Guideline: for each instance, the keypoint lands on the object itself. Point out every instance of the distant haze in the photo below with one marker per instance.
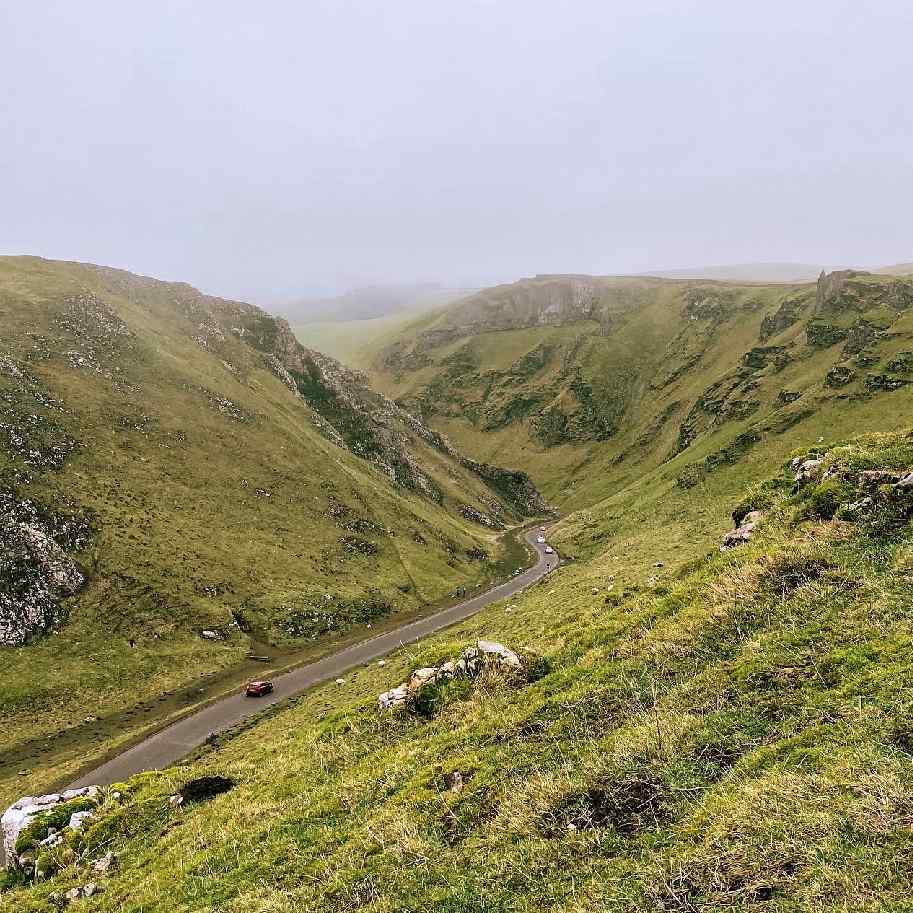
(367, 303)
(285, 150)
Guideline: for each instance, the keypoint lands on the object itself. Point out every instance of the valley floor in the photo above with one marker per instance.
(34, 761)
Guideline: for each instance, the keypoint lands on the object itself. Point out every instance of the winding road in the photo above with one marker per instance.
(177, 740)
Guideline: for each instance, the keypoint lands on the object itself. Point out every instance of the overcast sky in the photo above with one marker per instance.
(262, 149)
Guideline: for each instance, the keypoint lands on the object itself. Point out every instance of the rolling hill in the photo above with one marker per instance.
(585, 382)
(688, 730)
(185, 486)
(708, 707)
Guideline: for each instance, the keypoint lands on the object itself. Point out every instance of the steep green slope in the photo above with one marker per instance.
(723, 731)
(173, 464)
(586, 382)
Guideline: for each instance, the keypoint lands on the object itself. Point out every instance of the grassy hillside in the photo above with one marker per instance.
(173, 464)
(897, 269)
(586, 382)
(357, 343)
(692, 731)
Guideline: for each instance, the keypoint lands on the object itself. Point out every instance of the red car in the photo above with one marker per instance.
(258, 689)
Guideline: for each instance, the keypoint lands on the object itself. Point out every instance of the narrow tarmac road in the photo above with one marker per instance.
(177, 740)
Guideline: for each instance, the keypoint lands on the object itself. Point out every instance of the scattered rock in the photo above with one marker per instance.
(420, 678)
(24, 811)
(872, 478)
(78, 893)
(839, 376)
(741, 533)
(473, 660)
(454, 782)
(852, 511)
(861, 335)
(105, 863)
(36, 568)
(758, 357)
(805, 471)
(78, 819)
(488, 653)
(884, 382)
(395, 697)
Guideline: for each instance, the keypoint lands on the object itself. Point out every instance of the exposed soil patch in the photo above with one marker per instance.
(628, 807)
(789, 575)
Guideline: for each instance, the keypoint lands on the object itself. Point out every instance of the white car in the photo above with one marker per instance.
(540, 538)
(549, 550)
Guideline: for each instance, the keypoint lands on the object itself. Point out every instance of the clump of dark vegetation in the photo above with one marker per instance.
(431, 699)
(789, 312)
(788, 573)
(822, 501)
(733, 451)
(354, 545)
(902, 363)
(691, 475)
(202, 788)
(821, 335)
(536, 666)
(332, 615)
(628, 806)
(760, 496)
(695, 473)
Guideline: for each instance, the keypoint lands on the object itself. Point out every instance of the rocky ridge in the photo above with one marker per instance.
(737, 363)
(369, 424)
(77, 328)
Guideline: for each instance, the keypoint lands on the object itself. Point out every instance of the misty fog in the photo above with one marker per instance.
(279, 150)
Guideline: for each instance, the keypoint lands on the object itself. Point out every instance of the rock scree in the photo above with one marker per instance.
(472, 662)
